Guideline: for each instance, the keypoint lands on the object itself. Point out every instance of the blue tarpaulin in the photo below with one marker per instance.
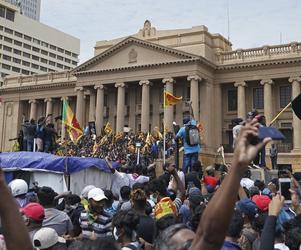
(49, 162)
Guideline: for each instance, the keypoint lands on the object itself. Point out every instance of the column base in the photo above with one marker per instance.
(296, 151)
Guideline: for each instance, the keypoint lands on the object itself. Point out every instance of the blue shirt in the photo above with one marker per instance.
(187, 148)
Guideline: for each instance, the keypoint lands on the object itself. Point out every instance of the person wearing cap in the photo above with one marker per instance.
(210, 180)
(19, 189)
(47, 238)
(33, 215)
(95, 222)
(191, 153)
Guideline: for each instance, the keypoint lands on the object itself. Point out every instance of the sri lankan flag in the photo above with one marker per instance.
(69, 120)
(108, 129)
(170, 99)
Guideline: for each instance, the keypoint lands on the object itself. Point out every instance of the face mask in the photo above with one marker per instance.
(154, 198)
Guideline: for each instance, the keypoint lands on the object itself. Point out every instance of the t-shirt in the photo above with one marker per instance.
(58, 220)
(101, 225)
(146, 228)
(194, 178)
(246, 183)
(187, 148)
(228, 245)
(210, 180)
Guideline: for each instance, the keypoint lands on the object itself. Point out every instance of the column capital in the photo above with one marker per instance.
(79, 89)
(144, 82)
(99, 86)
(168, 80)
(194, 77)
(237, 84)
(32, 101)
(64, 98)
(266, 81)
(294, 79)
(119, 85)
(48, 99)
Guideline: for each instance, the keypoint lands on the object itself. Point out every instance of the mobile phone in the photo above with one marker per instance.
(274, 133)
(284, 186)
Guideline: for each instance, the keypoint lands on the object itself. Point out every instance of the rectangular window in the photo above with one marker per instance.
(52, 55)
(60, 50)
(28, 38)
(258, 98)
(9, 31)
(25, 72)
(6, 57)
(27, 46)
(44, 44)
(25, 63)
(67, 60)
(2, 11)
(74, 55)
(43, 60)
(16, 60)
(26, 54)
(7, 39)
(5, 66)
(35, 66)
(36, 41)
(60, 57)
(44, 52)
(285, 95)
(43, 68)
(52, 47)
(17, 52)
(59, 65)
(18, 43)
(18, 34)
(6, 48)
(51, 63)
(232, 100)
(36, 49)
(66, 67)
(10, 15)
(67, 52)
(15, 69)
(74, 62)
(35, 57)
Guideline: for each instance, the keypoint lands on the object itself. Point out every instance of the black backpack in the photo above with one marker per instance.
(192, 135)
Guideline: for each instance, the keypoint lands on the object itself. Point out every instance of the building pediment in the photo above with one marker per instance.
(133, 52)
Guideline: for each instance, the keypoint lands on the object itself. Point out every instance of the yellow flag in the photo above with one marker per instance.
(108, 129)
(170, 99)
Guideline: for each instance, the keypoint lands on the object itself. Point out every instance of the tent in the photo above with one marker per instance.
(52, 170)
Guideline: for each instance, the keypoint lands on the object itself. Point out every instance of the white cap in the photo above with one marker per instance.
(18, 187)
(86, 190)
(46, 237)
(96, 194)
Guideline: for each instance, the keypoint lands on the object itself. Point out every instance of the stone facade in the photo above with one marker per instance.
(123, 84)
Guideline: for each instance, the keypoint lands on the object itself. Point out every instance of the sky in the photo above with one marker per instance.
(253, 23)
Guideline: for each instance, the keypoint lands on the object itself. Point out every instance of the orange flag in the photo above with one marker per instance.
(170, 99)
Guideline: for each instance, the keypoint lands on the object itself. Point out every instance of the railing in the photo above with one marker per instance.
(228, 148)
(284, 147)
(275, 51)
(20, 80)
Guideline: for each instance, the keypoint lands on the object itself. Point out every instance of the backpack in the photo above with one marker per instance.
(192, 135)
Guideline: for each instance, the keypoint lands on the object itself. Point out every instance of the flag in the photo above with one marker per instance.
(296, 105)
(170, 100)
(108, 129)
(149, 139)
(68, 118)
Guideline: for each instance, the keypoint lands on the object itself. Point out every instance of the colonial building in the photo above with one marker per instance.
(123, 84)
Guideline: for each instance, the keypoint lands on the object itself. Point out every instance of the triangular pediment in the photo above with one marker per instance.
(133, 52)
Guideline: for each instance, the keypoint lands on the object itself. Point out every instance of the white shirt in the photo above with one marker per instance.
(246, 183)
(281, 246)
(182, 179)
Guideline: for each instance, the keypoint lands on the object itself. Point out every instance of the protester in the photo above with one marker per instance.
(47, 238)
(19, 189)
(273, 155)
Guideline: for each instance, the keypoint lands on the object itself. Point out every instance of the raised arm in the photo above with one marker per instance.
(216, 218)
(180, 187)
(14, 230)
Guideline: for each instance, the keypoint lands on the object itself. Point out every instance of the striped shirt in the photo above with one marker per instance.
(101, 225)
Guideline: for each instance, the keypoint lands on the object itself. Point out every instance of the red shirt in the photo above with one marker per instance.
(210, 180)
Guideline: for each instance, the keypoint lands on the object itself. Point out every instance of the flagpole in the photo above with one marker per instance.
(164, 135)
(63, 132)
(276, 117)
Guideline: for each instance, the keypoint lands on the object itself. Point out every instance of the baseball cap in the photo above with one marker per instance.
(262, 201)
(86, 190)
(186, 120)
(165, 207)
(247, 207)
(96, 194)
(33, 211)
(45, 238)
(195, 195)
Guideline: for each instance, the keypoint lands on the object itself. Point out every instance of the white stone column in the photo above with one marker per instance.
(268, 101)
(120, 106)
(241, 99)
(33, 109)
(99, 108)
(168, 111)
(145, 110)
(296, 121)
(92, 106)
(194, 94)
(49, 108)
(80, 106)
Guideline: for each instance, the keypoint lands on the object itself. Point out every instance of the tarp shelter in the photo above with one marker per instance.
(49, 170)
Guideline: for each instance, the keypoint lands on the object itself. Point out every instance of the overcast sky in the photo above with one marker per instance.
(252, 22)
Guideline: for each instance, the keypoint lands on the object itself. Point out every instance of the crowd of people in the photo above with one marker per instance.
(187, 207)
